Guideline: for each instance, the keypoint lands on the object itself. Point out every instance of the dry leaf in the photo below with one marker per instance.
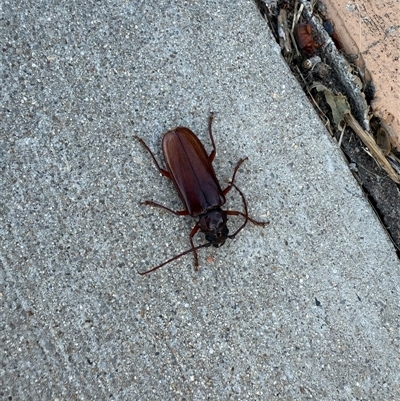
(342, 113)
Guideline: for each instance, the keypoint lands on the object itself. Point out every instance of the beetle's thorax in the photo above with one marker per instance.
(213, 224)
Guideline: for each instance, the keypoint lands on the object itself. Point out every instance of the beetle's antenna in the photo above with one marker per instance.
(246, 213)
(176, 257)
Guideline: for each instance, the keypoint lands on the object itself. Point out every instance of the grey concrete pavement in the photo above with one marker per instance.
(305, 308)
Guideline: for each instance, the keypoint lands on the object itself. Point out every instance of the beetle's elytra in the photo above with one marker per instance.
(190, 169)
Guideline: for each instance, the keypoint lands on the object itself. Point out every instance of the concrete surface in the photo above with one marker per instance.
(305, 308)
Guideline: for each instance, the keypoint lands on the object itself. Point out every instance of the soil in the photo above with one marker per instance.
(382, 192)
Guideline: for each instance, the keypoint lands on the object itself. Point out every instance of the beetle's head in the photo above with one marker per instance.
(213, 224)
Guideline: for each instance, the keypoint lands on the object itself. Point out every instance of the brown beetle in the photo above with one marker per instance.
(190, 169)
(304, 38)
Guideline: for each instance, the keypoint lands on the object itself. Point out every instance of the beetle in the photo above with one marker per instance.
(304, 38)
(190, 169)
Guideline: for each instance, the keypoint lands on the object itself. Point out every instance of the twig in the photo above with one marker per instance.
(341, 136)
(283, 33)
(370, 143)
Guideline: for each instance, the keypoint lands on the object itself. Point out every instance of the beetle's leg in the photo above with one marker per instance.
(196, 258)
(231, 183)
(165, 173)
(214, 151)
(237, 213)
(245, 215)
(234, 212)
(177, 213)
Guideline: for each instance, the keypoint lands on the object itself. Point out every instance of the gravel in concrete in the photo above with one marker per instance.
(307, 308)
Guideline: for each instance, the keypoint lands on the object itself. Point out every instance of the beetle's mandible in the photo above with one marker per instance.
(190, 169)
